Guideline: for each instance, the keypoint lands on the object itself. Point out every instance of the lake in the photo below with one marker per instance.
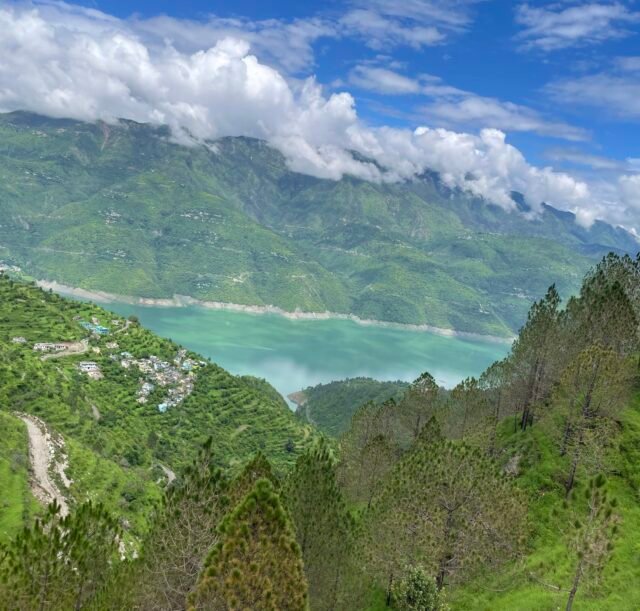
(294, 354)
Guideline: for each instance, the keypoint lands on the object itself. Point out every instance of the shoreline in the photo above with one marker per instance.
(183, 301)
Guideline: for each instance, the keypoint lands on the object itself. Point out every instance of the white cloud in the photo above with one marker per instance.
(382, 80)
(558, 26)
(628, 64)
(85, 65)
(384, 24)
(453, 107)
(595, 162)
(615, 94)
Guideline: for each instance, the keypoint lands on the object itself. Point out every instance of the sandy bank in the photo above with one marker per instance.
(181, 301)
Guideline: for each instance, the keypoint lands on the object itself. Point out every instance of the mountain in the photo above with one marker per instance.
(330, 406)
(123, 209)
(117, 411)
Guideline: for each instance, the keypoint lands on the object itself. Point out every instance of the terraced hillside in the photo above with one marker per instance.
(123, 414)
(120, 208)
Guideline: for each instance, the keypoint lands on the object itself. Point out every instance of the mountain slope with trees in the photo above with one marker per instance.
(119, 449)
(515, 490)
(122, 209)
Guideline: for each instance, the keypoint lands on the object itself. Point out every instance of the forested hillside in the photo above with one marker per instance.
(517, 490)
(120, 410)
(331, 406)
(120, 208)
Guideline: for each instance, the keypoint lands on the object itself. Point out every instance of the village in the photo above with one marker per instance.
(177, 377)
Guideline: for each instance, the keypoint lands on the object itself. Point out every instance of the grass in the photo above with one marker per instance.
(547, 564)
(17, 504)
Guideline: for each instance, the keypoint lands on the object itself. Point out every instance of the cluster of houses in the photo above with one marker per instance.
(47, 346)
(94, 327)
(91, 368)
(177, 376)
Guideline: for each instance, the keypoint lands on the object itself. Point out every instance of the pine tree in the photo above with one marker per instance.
(591, 539)
(256, 469)
(468, 412)
(591, 392)
(324, 528)
(496, 382)
(257, 564)
(186, 528)
(445, 507)
(368, 450)
(421, 401)
(533, 355)
(59, 562)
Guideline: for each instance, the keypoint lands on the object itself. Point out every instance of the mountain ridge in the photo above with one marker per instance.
(121, 209)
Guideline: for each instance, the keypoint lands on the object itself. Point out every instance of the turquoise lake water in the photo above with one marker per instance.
(294, 354)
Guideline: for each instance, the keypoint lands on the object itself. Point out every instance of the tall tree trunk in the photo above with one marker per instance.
(565, 438)
(389, 586)
(574, 467)
(574, 587)
(446, 555)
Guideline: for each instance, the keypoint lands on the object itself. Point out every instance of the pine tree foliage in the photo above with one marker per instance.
(257, 563)
(185, 530)
(59, 563)
(417, 592)
(592, 391)
(533, 355)
(256, 469)
(421, 401)
(445, 507)
(591, 539)
(324, 528)
(368, 450)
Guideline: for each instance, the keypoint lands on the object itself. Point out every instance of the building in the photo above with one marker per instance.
(19, 340)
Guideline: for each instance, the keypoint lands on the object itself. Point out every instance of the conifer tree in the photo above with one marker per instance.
(420, 402)
(256, 469)
(533, 354)
(59, 563)
(591, 392)
(445, 507)
(186, 528)
(468, 413)
(592, 536)
(322, 524)
(368, 450)
(495, 382)
(257, 563)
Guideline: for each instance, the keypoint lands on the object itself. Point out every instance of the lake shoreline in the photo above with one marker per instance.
(182, 301)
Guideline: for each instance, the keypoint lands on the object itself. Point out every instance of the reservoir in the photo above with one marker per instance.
(294, 354)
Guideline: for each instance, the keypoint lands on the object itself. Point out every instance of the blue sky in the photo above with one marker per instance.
(488, 55)
(560, 79)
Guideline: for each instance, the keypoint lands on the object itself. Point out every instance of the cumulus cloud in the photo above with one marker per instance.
(87, 65)
(558, 26)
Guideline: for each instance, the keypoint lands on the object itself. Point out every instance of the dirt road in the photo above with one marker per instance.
(42, 454)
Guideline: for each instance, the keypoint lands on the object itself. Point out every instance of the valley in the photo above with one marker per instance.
(294, 354)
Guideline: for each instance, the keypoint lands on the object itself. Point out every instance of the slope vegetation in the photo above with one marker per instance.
(120, 208)
(123, 416)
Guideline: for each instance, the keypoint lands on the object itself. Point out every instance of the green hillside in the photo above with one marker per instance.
(121, 208)
(515, 490)
(331, 406)
(120, 450)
